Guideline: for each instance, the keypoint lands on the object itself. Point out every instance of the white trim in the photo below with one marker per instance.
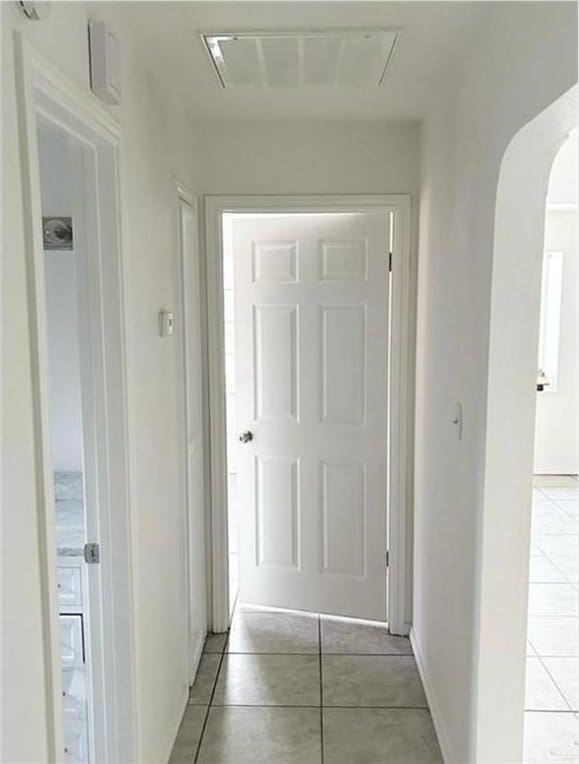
(43, 90)
(186, 363)
(441, 733)
(561, 206)
(174, 730)
(402, 385)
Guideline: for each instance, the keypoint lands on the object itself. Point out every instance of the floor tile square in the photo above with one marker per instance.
(550, 738)
(571, 507)
(547, 517)
(541, 692)
(553, 599)
(554, 635)
(189, 735)
(560, 492)
(379, 736)
(563, 551)
(341, 637)
(205, 679)
(542, 571)
(269, 680)
(371, 680)
(565, 672)
(237, 735)
(264, 632)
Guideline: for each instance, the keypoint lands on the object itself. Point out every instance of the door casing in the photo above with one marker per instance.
(44, 92)
(191, 357)
(401, 388)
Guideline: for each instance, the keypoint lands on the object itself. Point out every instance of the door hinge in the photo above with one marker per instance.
(390, 262)
(387, 559)
(92, 554)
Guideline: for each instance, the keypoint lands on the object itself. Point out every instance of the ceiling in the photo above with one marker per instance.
(424, 64)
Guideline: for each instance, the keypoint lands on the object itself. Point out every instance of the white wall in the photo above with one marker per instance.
(517, 66)
(315, 158)
(62, 309)
(563, 180)
(557, 415)
(155, 147)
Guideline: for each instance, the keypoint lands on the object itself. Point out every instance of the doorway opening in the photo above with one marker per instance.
(73, 465)
(552, 670)
(71, 217)
(505, 531)
(300, 381)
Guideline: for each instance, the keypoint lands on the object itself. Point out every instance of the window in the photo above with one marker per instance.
(550, 327)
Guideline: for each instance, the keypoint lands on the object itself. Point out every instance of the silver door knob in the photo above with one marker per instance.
(246, 436)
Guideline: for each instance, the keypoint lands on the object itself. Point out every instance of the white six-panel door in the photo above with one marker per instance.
(311, 322)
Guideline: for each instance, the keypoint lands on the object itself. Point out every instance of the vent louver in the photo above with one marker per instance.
(301, 59)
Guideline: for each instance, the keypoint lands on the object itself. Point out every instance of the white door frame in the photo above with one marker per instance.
(43, 91)
(187, 272)
(401, 385)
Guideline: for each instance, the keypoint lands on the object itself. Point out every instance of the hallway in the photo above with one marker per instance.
(297, 688)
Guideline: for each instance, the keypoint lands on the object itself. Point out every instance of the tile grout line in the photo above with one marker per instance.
(209, 705)
(552, 678)
(321, 689)
(557, 568)
(359, 707)
(569, 514)
(338, 655)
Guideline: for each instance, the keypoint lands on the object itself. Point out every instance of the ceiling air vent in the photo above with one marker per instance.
(301, 59)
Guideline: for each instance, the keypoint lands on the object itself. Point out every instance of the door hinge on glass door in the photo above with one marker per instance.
(390, 262)
(387, 559)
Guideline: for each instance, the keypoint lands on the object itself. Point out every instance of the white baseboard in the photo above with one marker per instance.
(439, 727)
(197, 653)
(183, 705)
(175, 729)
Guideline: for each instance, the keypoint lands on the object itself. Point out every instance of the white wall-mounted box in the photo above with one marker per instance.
(105, 63)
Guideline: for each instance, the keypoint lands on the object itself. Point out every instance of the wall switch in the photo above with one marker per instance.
(166, 323)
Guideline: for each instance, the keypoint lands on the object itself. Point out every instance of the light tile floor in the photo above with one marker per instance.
(289, 688)
(551, 704)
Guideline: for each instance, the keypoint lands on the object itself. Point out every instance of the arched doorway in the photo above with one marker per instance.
(514, 333)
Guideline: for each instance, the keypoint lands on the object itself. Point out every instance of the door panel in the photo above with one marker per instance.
(275, 379)
(344, 519)
(311, 323)
(276, 495)
(343, 350)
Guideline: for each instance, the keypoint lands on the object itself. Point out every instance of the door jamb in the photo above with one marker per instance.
(183, 194)
(401, 387)
(42, 89)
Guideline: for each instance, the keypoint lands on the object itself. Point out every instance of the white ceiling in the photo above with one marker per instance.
(425, 61)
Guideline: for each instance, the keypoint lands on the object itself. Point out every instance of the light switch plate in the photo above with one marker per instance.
(166, 323)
